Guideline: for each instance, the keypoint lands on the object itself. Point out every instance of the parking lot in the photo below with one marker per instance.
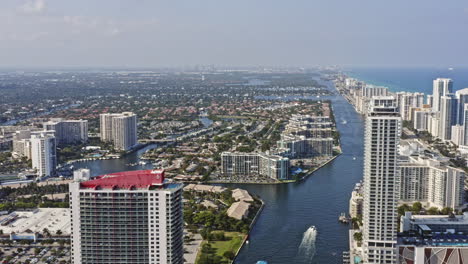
(35, 254)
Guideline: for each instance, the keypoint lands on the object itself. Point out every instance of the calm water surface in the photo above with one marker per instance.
(281, 232)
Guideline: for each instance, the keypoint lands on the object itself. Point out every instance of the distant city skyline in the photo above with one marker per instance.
(124, 33)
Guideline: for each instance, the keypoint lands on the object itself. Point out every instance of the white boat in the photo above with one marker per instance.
(354, 158)
(343, 219)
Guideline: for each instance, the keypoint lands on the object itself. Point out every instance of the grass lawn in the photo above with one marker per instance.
(230, 245)
(222, 246)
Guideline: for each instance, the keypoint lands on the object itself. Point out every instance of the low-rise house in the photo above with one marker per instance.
(241, 195)
(239, 210)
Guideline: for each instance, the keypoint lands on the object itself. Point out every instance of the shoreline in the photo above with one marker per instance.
(246, 236)
(318, 168)
(251, 226)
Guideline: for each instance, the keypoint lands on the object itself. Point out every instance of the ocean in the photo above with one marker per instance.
(410, 79)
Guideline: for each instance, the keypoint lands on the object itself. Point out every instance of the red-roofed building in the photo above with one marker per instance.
(141, 179)
(133, 216)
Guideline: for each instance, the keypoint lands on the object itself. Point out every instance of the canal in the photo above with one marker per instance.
(282, 233)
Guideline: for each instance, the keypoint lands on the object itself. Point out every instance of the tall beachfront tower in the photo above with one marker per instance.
(441, 87)
(462, 99)
(381, 182)
(448, 108)
(127, 217)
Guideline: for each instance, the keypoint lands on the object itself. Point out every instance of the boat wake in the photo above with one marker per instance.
(307, 247)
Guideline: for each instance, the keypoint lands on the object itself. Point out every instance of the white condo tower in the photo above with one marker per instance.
(381, 187)
(441, 87)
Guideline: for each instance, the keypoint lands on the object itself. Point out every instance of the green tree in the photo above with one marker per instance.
(219, 236)
(229, 255)
(358, 236)
(205, 233)
(446, 211)
(417, 206)
(403, 208)
(433, 211)
(46, 232)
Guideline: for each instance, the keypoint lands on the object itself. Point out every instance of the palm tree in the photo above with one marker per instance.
(46, 232)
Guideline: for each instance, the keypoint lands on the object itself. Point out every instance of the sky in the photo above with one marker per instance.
(172, 33)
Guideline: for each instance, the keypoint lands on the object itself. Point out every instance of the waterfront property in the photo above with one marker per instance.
(253, 164)
(120, 129)
(303, 147)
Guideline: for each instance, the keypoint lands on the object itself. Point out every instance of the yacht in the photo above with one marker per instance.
(343, 219)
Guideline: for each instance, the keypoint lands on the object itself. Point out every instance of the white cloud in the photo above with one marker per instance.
(33, 7)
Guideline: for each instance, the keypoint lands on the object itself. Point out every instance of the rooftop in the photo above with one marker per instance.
(204, 188)
(439, 219)
(126, 180)
(241, 195)
(238, 210)
(53, 219)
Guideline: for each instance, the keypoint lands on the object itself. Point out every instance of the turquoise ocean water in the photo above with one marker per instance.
(410, 79)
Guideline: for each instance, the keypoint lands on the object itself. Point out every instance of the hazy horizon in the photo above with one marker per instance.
(158, 34)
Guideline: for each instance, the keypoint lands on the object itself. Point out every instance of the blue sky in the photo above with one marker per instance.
(153, 33)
